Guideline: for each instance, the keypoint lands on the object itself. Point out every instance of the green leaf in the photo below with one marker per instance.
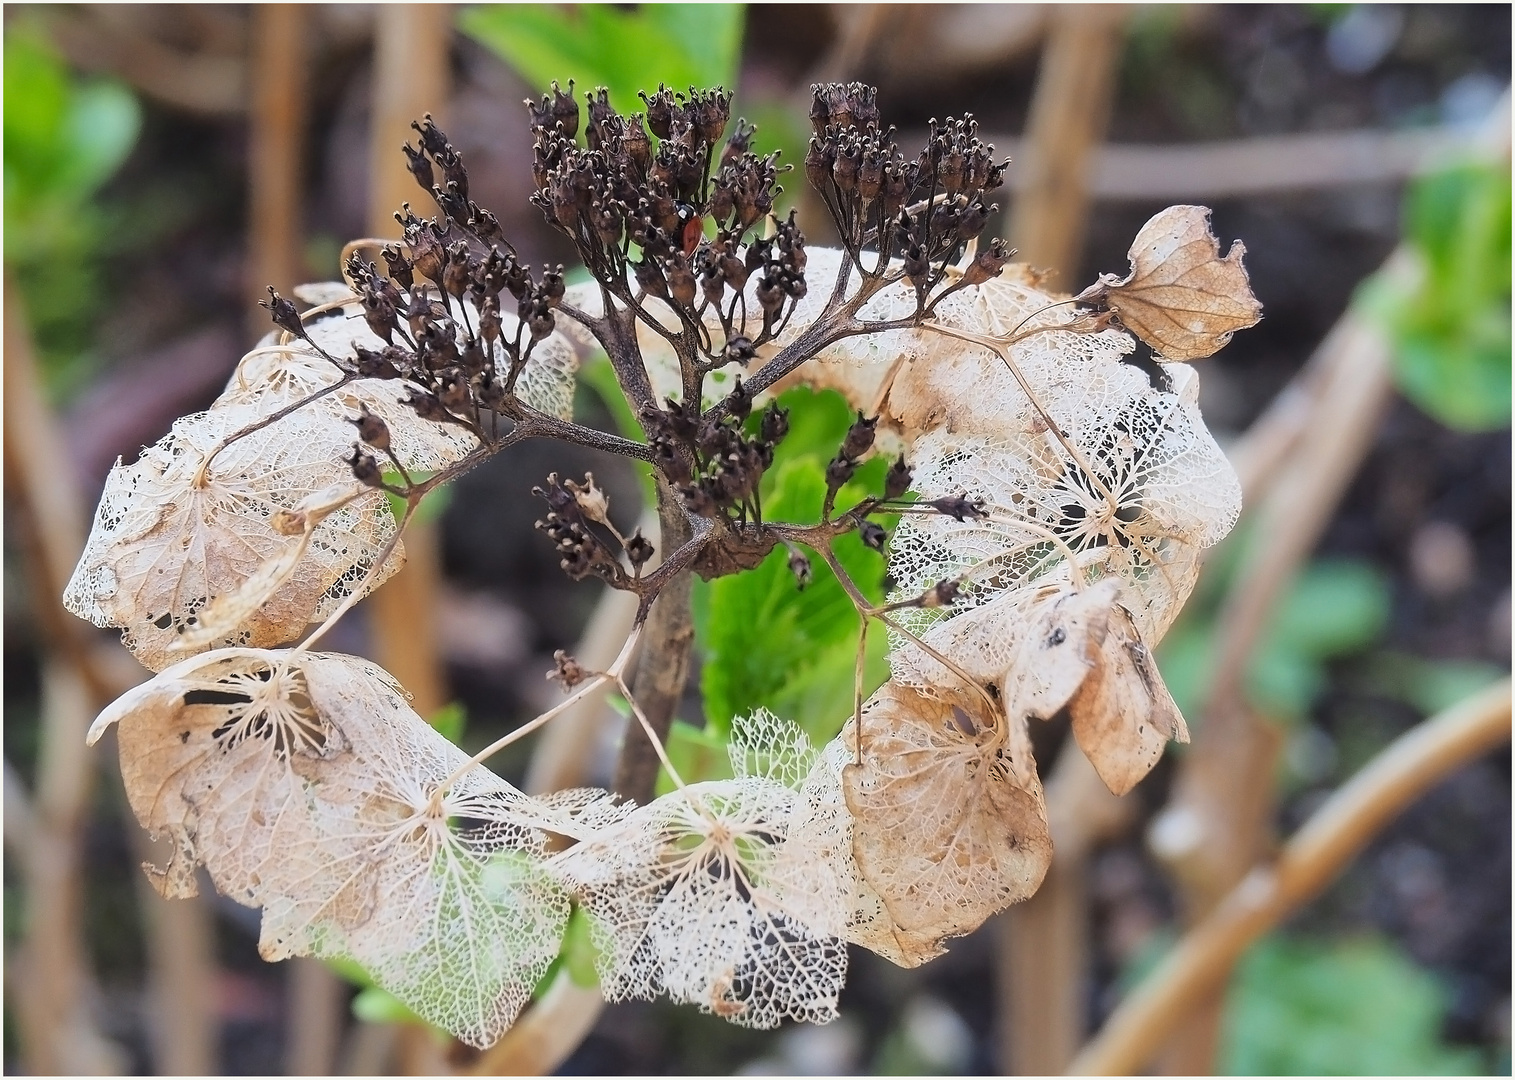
(579, 955)
(430, 508)
(1299, 1008)
(378, 1006)
(681, 45)
(697, 753)
(1430, 685)
(764, 641)
(1450, 327)
(1334, 607)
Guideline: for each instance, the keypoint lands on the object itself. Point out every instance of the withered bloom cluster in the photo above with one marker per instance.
(923, 211)
(1051, 521)
(636, 206)
(459, 314)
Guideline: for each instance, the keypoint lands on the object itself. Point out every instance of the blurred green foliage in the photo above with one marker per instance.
(1451, 327)
(1347, 1008)
(64, 138)
(624, 51)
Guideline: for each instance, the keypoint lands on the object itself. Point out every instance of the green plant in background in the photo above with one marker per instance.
(1356, 1008)
(680, 45)
(601, 45)
(1451, 327)
(64, 138)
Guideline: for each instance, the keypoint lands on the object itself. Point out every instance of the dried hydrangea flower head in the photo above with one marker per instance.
(1052, 497)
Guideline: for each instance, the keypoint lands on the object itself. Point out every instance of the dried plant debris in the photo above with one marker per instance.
(949, 824)
(196, 516)
(307, 787)
(1180, 297)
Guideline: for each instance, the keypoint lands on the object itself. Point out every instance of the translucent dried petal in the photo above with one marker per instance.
(172, 531)
(1122, 713)
(228, 612)
(681, 901)
(1135, 487)
(949, 824)
(1181, 297)
(306, 786)
(821, 827)
(766, 746)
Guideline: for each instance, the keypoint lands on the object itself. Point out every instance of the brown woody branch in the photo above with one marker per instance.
(1309, 862)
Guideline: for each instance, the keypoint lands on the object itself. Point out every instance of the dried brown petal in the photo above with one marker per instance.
(1181, 297)
(1122, 714)
(308, 788)
(949, 824)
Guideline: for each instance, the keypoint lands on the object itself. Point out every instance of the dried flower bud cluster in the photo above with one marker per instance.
(636, 207)
(578, 522)
(922, 211)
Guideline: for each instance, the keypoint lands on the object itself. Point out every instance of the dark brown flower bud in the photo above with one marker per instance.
(453, 392)
(372, 430)
(566, 669)
(988, 263)
(365, 467)
(775, 423)
(859, 437)
(739, 143)
(872, 535)
(433, 138)
(799, 566)
(681, 283)
(739, 350)
(426, 405)
(284, 313)
(553, 287)
(638, 549)
(564, 109)
(839, 471)
(942, 594)
(375, 365)
(400, 268)
(739, 402)
(897, 480)
(636, 145)
(419, 166)
(660, 109)
(960, 507)
(917, 266)
(819, 160)
(710, 112)
(699, 500)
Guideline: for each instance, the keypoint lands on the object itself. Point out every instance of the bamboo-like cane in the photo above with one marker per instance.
(1311, 859)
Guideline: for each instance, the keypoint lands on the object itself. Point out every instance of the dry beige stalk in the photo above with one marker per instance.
(1180, 297)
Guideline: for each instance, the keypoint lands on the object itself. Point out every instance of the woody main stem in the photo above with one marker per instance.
(663, 667)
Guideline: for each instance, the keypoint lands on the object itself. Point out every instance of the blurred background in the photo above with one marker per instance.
(163, 164)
